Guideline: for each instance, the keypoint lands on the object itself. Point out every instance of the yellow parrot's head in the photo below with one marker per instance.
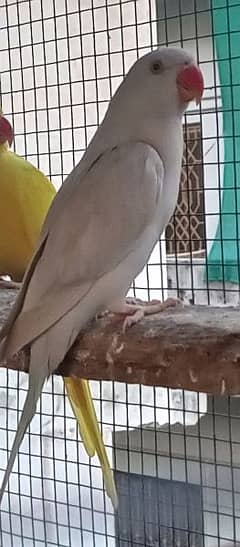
(6, 131)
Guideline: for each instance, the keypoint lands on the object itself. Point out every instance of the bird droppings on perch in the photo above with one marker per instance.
(83, 356)
(189, 348)
(223, 386)
(113, 348)
(120, 348)
(109, 358)
(193, 376)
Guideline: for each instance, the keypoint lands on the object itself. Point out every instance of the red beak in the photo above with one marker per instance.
(6, 131)
(190, 84)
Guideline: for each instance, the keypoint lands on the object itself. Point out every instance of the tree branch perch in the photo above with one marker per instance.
(195, 348)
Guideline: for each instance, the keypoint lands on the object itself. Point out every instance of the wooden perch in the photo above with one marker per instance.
(195, 348)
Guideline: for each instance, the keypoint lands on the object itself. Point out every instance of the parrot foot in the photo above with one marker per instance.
(5, 284)
(135, 311)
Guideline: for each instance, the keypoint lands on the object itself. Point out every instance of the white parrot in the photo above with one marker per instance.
(104, 221)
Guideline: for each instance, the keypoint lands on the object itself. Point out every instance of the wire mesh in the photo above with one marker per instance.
(175, 453)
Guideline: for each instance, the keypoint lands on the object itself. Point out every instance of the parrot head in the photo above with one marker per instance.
(180, 75)
(6, 131)
(166, 79)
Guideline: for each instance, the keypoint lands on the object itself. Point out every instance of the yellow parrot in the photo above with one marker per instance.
(25, 197)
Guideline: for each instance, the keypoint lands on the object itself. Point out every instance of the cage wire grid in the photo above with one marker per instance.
(175, 453)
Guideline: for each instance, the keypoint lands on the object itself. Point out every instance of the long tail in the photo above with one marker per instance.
(80, 397)
(37, 376)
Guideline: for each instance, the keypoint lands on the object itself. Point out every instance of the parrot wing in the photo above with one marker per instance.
(109, 211)
(26, 195)
(35, 194)
(32, 193)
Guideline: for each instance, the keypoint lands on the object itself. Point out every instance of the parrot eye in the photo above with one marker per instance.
(157, 67)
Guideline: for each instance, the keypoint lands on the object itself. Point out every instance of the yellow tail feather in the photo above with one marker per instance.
(80, 397)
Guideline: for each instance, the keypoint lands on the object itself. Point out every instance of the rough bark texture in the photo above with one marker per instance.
(195, 348)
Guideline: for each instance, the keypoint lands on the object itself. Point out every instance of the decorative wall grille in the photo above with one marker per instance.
(185, 232)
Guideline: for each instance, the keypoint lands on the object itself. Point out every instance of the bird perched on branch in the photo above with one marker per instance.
(105, 220)
(25, 197)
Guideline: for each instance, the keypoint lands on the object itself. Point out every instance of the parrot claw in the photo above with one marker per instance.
(133, 319)
(136, 309)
